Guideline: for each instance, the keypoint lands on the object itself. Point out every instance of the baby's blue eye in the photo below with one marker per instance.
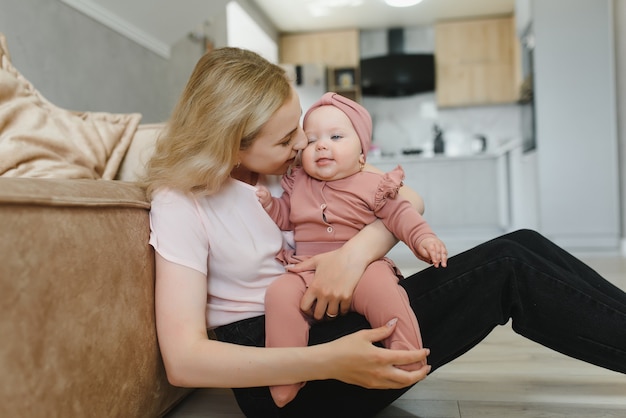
(335, 137)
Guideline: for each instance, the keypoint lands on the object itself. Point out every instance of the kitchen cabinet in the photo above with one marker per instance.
(345, 81)
(466, 197)
(332, 48)
(477, 62)
(337, 50)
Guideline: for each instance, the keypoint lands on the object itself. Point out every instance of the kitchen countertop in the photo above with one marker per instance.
(428, 156)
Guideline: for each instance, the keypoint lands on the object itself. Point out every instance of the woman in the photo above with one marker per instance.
(236, 123)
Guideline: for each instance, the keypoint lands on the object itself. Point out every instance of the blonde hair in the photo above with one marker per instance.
(230, 95)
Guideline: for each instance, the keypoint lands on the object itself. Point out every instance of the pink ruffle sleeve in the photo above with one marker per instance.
(289, 179)
(388, 187)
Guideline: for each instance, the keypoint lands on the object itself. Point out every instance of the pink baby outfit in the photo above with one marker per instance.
(324, 215)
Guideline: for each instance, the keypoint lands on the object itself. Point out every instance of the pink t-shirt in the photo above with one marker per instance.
(229, 238)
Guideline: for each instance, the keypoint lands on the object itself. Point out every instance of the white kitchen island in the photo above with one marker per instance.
(467, 198)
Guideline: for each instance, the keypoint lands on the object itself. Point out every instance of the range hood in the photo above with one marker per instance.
(397, 73)
(395, 41)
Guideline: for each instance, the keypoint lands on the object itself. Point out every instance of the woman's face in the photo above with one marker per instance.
(278, 143)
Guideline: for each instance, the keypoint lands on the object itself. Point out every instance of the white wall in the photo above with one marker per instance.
(575, 84)
(244, 32)
(620, 54)
(78, 63)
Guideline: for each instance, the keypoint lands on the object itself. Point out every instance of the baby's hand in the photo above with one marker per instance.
(434, 249)
(265, 197)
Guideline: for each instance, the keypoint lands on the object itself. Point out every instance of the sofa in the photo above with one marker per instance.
(77, 320)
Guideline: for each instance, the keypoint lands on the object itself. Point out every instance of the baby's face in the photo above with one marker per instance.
(334, 149)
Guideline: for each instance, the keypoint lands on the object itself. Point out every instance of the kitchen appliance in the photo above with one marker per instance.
(397, 73)
(527, 96)
(438, 144)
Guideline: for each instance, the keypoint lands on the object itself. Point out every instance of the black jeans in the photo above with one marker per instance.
(551, 297)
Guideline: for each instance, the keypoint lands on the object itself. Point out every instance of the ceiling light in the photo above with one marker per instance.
(402, 3)
(318, 8)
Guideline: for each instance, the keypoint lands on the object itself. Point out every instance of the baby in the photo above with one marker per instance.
(325, 202)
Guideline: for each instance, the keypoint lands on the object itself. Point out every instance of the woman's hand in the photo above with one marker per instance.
(359, 362)
(336, 277)
(338, 272)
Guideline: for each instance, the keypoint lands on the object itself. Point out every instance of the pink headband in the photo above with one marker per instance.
(360, 118)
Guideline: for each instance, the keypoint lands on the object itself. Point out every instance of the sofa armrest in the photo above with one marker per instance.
(77, 301)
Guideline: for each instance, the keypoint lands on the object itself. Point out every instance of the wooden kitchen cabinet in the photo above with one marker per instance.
(332, 48)
(477, 62)
(345, 81)
(337, 50)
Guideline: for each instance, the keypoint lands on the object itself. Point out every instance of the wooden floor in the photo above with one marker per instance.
(505, 376)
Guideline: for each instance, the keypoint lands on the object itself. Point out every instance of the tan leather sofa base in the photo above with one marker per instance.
(77, 302)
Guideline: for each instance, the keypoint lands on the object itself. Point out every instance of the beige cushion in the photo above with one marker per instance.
(39, 139)
(133, 165)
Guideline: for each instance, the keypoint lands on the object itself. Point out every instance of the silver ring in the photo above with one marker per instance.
(331, 316)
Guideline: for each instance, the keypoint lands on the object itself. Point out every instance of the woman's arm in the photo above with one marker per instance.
(193, 360)
(338, 272)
